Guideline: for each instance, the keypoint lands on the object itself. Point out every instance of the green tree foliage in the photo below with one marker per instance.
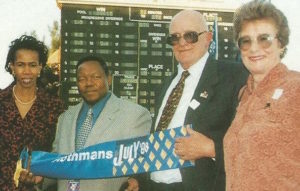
(55, 37)
(50, 79)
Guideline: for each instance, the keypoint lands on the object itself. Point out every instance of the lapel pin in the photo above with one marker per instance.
(204, 94)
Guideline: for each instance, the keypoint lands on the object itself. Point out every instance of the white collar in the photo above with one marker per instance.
(197, 68)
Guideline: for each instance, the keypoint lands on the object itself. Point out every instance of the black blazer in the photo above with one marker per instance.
(222, 81)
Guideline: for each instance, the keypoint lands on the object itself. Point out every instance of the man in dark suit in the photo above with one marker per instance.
(207, 102)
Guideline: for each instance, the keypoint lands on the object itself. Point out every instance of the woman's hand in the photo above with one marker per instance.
(28, 178)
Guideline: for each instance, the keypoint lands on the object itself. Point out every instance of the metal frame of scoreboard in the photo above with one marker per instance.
(131, 38)
(217, 5)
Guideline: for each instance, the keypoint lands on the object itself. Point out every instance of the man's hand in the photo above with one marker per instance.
(133, 185)
(194, 146)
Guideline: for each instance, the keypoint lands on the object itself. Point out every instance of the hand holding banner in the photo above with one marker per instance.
(111, 159)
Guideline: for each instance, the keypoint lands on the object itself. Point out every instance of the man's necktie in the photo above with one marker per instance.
(172, 103)
(84, 130)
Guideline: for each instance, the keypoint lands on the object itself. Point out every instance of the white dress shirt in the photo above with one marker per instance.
(173, 175)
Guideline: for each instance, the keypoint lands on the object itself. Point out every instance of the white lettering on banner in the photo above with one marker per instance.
(128, 152)
(94, 155)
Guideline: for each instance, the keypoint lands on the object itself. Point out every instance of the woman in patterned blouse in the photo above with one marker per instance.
(28, 114)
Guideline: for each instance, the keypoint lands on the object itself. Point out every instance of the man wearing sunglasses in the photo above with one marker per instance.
(207, 102)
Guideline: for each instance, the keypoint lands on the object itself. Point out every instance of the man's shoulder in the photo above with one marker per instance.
(129, 105)
(72, 108)
(231, 70)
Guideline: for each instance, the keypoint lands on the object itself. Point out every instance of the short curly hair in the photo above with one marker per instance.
(28, 43)
(98, 59)
(261, 9)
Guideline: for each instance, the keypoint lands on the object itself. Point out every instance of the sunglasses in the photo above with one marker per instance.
(189, 37)
(263, 40)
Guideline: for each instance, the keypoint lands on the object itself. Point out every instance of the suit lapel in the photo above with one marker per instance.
(73, 124)
(205, 89)
(105, 121)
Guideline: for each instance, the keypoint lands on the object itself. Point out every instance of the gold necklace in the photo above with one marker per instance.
(21, 102)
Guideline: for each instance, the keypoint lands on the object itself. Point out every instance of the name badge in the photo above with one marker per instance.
(73, 185)
(277, 93)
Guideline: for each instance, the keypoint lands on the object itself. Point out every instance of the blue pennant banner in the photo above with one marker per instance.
(214, 47)
(150, 153)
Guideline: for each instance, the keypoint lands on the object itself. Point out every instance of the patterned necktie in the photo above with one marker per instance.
(84, 130)
(172, 103)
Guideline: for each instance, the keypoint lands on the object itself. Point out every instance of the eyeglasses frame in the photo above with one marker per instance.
(182, 36)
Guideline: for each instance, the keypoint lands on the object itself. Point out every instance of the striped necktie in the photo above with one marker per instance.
(172, 103)
(84, 130)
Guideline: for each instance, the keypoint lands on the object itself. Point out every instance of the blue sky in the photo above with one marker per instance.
(20, 16)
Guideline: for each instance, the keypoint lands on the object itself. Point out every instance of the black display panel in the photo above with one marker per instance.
(132, 41)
